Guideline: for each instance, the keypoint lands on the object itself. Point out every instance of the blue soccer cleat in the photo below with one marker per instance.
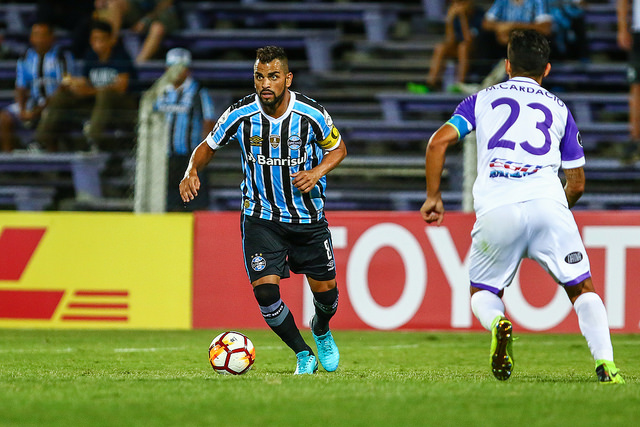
(306, 363)
(327, 350)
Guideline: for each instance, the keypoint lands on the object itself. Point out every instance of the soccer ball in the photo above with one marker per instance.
(231, 353)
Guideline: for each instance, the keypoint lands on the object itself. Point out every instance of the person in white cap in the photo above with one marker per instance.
(189, 111)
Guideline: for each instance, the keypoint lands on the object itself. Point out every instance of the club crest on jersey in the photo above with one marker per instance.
(258, 263)
(294, 142)
(274, 140)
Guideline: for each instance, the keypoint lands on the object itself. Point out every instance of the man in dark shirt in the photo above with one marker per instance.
(101, 93)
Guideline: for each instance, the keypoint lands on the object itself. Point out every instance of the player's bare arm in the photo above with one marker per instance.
(432, 209)
(623, 35)
(574, 187)
(305, 181)
(190, 184)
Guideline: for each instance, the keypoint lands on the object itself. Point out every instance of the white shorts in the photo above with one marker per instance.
(541, 229)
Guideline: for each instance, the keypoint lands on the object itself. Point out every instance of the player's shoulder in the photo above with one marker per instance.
(30, 53)
(244, 106)
(240, 109)
(308, 104)
(244, 102)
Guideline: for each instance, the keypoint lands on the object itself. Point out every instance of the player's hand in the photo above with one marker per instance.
(189, 187)
(305, 181)
(432, 210)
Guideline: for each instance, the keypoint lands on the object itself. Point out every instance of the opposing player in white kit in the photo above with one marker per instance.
(524, 134)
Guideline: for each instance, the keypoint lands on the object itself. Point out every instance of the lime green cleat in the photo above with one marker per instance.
(608, 373)
(501, 348)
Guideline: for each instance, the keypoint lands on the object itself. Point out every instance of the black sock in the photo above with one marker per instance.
(326, 304)
(278, 317)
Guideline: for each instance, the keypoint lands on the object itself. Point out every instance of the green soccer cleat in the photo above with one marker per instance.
(327, 349)
(306, 363)
(501, 348)
(608, 373)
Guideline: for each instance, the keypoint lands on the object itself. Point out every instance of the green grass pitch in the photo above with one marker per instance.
(163, 378)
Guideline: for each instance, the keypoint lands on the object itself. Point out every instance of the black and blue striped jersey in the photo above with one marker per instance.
(41, 75)
(185, 108)
(272, 149)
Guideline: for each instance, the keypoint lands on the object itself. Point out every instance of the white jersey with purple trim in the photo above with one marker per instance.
(524, 134)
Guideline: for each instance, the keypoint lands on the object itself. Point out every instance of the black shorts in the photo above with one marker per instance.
(633, 72)
(272, 247)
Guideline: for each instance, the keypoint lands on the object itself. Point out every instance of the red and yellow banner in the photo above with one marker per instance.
(395, 272)
(177, 271)
(95, 270)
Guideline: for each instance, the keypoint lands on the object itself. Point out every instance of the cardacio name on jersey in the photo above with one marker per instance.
(263, 160)
(526, 89)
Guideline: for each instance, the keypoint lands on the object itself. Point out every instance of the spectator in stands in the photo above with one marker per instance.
(569, 39)
(462, 24)
(100, 93)
(70, 15)
(39, 73)
(629, 39)
(188, 110)
(503, 17)
(155, 18)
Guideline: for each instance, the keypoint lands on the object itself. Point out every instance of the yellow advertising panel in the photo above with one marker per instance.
(96, 270)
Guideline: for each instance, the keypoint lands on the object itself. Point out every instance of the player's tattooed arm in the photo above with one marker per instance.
(574, 186)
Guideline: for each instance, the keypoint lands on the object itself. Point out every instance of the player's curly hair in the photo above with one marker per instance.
(267, 54)
(528, 52)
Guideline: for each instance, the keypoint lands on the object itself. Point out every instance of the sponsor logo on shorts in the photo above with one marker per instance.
(331, 265)
(258, 263)
(573, 258)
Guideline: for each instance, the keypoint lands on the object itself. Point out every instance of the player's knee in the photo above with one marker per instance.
(267, 294)
(574, 291)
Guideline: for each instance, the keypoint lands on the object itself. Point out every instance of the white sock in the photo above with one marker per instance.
(594, 325)
(486, 306)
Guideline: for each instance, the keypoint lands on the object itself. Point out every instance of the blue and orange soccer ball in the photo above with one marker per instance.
(231, 353)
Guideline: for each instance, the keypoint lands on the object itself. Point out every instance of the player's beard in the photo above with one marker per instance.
(274, 102)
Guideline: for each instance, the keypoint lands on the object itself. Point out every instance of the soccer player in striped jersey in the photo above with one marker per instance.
(38, 74)
(524, 134)
(288, 144)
